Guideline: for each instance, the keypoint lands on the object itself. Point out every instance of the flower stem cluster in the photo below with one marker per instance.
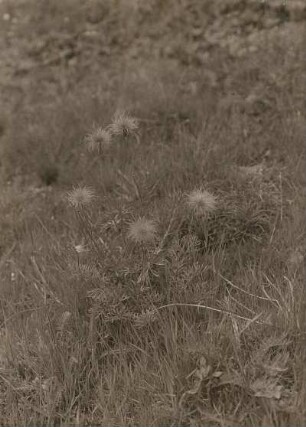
(123, 126)
(142, 231)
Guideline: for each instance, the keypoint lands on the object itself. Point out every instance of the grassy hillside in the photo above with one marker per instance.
(152, 213)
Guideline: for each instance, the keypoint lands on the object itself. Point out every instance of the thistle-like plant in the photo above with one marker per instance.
(99, 140)
(201, 202)
(80, 197)
(142, 231)
(124, 125)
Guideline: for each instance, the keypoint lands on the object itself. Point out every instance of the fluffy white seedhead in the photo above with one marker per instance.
(124, 125)
(142, 231)
(201, 202)
(80, 197)
(98, 140)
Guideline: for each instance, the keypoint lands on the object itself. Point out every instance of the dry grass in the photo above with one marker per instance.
(157, 278)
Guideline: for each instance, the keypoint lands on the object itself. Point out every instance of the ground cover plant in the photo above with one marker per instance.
(152, 214)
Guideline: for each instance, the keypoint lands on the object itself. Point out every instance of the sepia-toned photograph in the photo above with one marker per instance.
(152, 213)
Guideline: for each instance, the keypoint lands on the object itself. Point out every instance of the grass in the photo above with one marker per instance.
(136, 301)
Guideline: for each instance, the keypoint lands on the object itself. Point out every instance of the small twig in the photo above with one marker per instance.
(212, 309)
(245, 292)
(272, 299)
(240, 303)
(277, 291)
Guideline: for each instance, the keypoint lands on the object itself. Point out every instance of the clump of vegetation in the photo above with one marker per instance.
(153, 273)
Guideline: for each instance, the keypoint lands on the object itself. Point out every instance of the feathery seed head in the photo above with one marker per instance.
(80, 197)
(99, 139)
(201, 202)
(142, 231)
(124, 125)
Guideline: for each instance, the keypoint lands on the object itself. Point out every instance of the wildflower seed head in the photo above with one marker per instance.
(142, 231)
(124, 125)
(201, 202)
(80, 197)
(98, 140)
